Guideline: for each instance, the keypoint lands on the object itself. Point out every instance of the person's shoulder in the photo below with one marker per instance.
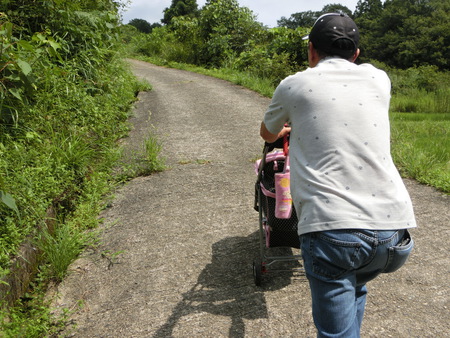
(371, 68)
(374, 71)
(298, 77)
(287, 81)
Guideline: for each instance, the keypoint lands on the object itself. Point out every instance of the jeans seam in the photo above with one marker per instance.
(338, 242)
(375, 238)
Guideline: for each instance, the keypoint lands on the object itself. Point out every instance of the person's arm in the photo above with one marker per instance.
(269, 137)
(276, 116)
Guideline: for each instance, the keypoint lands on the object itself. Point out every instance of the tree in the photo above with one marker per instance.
(288, 41)
(141, 25)
(336, 8)
(308, 18)
(34, 15)
(180, 8)
(225, 29)
(405, 33)
(301, 19)
(368, 9)
(367, 15)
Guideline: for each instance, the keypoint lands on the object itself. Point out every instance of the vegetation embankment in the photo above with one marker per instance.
(223, 39)
(65, 97)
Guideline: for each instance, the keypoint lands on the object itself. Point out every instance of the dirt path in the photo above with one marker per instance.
(188, 236)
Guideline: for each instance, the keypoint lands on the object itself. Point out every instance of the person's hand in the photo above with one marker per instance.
(285, 131)
(269, 137)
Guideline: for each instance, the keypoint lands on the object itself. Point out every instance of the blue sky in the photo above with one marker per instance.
(268, 11)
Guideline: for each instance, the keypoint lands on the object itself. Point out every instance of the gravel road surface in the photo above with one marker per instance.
(177, 247)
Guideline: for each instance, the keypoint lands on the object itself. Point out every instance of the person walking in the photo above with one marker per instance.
(353, 208)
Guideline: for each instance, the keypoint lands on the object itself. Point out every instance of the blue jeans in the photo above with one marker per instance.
(338, 264)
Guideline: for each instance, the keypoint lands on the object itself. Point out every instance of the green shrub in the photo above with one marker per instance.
(285, 41)
(260, 64)
(64, 98)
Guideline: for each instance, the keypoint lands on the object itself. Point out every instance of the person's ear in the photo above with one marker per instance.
(313, 55)
(355, 56)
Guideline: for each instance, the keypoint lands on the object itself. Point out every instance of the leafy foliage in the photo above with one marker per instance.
(143, 26)
(225, 29)
(405, 33)
(301, 19)
(17, 59)
(307, 19)
(400, 33)
(64, 99)
(179, 8)
(9, 201)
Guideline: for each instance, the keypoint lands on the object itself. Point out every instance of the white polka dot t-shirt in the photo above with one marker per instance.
(342, 173)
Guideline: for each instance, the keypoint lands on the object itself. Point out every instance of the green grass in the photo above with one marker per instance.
(421, 147)
(153, 159)
(260, 85)
(59, 156)
(61, 249)
(141, 163)
(418, 117)
(416, 100)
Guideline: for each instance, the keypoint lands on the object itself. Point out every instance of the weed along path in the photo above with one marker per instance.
(177, 247)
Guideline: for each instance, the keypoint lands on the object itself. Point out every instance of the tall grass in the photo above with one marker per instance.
(418, 100)
(153, 159)
(421, 147)
(420, 122)
(61, 248)
(58, 142)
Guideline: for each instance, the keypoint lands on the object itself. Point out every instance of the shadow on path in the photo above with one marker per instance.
(225, 287)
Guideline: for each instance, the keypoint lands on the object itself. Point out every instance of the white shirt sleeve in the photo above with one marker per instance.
(277, 114)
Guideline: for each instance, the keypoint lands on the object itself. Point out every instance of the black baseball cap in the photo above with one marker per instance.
(330, 29)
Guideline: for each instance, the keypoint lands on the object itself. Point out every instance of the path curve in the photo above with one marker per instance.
(187, 236)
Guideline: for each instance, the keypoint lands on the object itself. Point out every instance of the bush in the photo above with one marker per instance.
(64, 102)
(285, 41)
(260, 64)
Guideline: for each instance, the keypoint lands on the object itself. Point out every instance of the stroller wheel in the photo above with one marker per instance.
(257, 272)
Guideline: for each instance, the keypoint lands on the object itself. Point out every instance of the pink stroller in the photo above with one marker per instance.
(273, 231)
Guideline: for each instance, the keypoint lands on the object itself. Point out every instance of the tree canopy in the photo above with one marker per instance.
(400, 33)
(143, 26)
(179, 8)
(307, 19)
(405, 33)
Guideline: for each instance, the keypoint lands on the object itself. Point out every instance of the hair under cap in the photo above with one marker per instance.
(330, 29)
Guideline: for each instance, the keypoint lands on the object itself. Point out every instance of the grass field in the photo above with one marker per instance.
(421, 147)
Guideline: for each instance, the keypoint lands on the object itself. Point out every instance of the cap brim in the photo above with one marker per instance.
(306, 37)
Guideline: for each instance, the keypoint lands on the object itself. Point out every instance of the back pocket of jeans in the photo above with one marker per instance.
(399, 254)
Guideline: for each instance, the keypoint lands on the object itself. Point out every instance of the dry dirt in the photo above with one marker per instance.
(177, 247)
